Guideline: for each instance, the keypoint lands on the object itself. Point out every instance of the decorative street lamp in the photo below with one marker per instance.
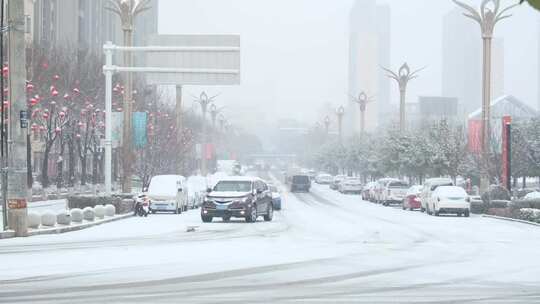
(340, 112)
(127, 10)
(362, 100)
(204, 101)
(489, 14)
(402, 77)
(327, 124)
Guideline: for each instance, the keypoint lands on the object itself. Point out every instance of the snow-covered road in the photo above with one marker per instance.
(323, 247)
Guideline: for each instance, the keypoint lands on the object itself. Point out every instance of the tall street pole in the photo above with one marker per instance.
(127, 10)
(489, 14)
(340, 112)
(402, 77)
(327, 125)
(179, 131)
(18, 120)
(362, 101)
(204, 101)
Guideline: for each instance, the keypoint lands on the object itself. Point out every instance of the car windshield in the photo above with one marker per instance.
(398, 185)
(301, 179)
(453, 193)
(233, 186)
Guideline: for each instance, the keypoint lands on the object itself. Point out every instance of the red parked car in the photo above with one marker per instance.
(412, 198)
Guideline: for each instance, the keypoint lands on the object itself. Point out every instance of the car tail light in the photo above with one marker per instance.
(416, 200)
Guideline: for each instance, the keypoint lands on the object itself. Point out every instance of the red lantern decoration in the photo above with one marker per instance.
(62, 114)
(33, 101)
(66, 96)
(57, 130)
(45, 115)
(42, 128)
(56, 77)
(54, 93)
(29, 87)
(5, 71)
(76, 90)
(78, 135)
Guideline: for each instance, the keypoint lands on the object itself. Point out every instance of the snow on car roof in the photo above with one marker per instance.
(240, 179)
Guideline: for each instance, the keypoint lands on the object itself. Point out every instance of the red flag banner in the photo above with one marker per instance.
(475, 136)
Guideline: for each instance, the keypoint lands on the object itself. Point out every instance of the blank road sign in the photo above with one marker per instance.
(203, 60)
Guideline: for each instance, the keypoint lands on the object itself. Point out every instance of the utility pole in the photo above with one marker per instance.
(127, 10)
(402, 77)
(487, 17)
(18, 121)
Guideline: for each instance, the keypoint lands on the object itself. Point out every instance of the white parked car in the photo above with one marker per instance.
(394, 192)
(380, 186)
(350, 185)
(168, 193)
(323, 179)
(532, 195)
(449, 199)
(429, 186)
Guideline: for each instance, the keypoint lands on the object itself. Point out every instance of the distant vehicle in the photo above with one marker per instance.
(393, 192)
(412, 198)
(239, 197)
(367, 191)
(323, 179)
(532, 195)
(168, 193)
(350, 185)
(230, 167)
(276, 197)
(429, 186)
(336, 181)
(380, 186)
(300, 183)
(449, 199)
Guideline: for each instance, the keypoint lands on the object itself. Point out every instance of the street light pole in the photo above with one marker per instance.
(489, 14)
(327, 124)
(17, 193)
(127, 10)
(204, 101)
(340, 112)
(362, 101)
(402, 77)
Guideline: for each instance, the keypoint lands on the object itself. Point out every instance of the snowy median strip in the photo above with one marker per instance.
(510, 219)
(64, 229)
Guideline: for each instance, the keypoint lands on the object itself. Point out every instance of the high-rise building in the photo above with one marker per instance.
(369, 49)
(86, 24)
(462, 62)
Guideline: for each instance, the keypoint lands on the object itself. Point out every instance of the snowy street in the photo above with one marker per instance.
(323, 247)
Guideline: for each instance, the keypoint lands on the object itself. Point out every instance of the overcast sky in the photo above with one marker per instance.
(295, 52)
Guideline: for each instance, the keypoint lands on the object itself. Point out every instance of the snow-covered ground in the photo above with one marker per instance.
(323, 247)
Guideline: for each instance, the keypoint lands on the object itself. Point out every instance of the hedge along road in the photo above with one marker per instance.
(323, 247)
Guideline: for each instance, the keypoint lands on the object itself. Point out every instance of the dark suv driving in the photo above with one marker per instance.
(300, 183)
(241, 197)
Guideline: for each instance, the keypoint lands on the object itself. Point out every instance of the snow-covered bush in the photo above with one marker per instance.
(110, 210)
(48, 219)
(88, 213)
(99, 211)
(496, 193)
(34, 220)
(529, 214)
(63, 218)
(76, 215)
